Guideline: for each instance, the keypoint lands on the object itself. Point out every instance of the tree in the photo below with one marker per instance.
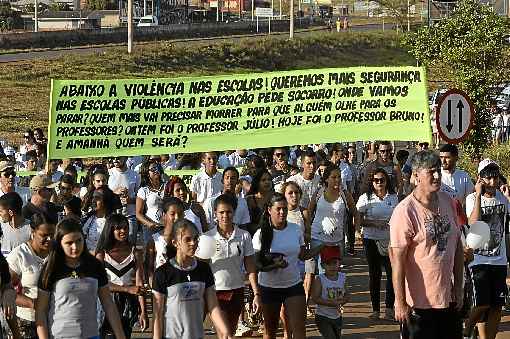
(398, 9)
(468, 46)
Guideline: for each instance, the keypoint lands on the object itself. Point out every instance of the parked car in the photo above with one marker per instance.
(148, 21)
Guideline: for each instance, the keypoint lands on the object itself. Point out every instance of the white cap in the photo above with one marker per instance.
(484, 163)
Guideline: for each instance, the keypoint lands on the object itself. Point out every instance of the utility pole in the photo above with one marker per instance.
(130, 26)
(408, 16)
(36, 23)
(291, 16)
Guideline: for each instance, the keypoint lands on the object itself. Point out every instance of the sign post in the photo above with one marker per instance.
(264, 12)
(454, 116)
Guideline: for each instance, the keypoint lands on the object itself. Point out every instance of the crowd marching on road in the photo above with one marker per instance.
(86, 246)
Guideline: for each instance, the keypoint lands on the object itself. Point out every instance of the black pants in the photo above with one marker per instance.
(375, 260)
(433, 323)
(350, 232)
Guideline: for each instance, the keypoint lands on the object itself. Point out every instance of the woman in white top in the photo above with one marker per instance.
(234, 250)
(376, 207)
(331, 209)
(25, 264)
(95, 220)
(193, 211)
(124, 267)
(161, 243)
(149, 199)
(280, 245)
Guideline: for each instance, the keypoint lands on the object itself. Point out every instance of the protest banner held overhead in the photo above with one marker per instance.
(99, 118)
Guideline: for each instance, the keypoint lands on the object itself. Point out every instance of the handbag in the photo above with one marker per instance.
(382, 246)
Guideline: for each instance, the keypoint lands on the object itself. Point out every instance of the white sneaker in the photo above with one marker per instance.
(242, 330)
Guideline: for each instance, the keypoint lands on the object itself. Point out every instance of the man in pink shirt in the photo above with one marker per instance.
(426, 253)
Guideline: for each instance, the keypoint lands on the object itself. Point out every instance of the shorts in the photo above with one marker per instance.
(270, 295)
(443, 323)
(489, 285)
(231, 302)
(313, 265)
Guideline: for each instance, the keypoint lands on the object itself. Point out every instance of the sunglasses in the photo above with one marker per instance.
(379, 180)
(279, 155)
(9, 173)
(384, 151)
(154, 169)
(65, 188)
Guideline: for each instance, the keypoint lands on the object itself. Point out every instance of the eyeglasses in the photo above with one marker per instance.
(9, 173)
(379, 180)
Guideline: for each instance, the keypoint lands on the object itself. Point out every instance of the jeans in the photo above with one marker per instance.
(133, 228)
(329, 328)
(375, 260)
(433, 323)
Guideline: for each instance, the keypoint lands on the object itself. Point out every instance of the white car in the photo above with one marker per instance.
(148, 21)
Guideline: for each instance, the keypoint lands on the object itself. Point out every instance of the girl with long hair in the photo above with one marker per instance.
(124, 267)
(258, 196)
(94, 221)
(280, 244)
(25, 264)
(184, 290)
(70, 284)
(375, 208)
(193, 211)
(149, 198)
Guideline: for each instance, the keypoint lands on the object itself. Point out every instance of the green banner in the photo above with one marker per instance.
(99, 118)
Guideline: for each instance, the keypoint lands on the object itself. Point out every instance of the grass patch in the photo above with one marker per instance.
(25, 86)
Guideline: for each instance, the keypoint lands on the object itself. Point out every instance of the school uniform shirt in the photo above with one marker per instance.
(13, 237)
(153, 202)
(288, 242)
(241, 214)
(309, 187)
(228, 260)
(184, 290)
(494, 211)
(458, 185)
(376, 208)
(128, 179)
(205, 186)
(331, 291)
(27, 265)
(72, 311)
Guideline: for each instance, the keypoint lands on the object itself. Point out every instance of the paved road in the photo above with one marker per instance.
(356, 323)
(57, 53)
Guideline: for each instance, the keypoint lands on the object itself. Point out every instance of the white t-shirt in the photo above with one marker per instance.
(309, 187)
(296, 217)
(128, 179)
(376, 208)
(153, 202)
(346, 174)
(27, 265)
(228, 260)
(205, 186)
(457, 185)
(160, 245)
(328, 223)
(237, 161)
(191, 216)
(494, 211)
(92, 229)
(13, 237)
(287, 242)
(241, 214)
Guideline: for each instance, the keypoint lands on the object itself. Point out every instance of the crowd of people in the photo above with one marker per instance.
(83, 255)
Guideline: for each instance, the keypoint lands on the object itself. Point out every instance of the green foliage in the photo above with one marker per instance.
(500, 154)
(469, 45)
(59, 6)
(101, 4)
(397, 9)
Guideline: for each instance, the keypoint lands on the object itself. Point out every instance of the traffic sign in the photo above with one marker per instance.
(263, 11)
(454, 116)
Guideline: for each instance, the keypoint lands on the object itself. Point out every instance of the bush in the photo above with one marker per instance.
(500, 154)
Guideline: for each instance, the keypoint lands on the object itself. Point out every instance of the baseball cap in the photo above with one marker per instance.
(485, 163)
(330, 252)
(41, 181)
(5, 165)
